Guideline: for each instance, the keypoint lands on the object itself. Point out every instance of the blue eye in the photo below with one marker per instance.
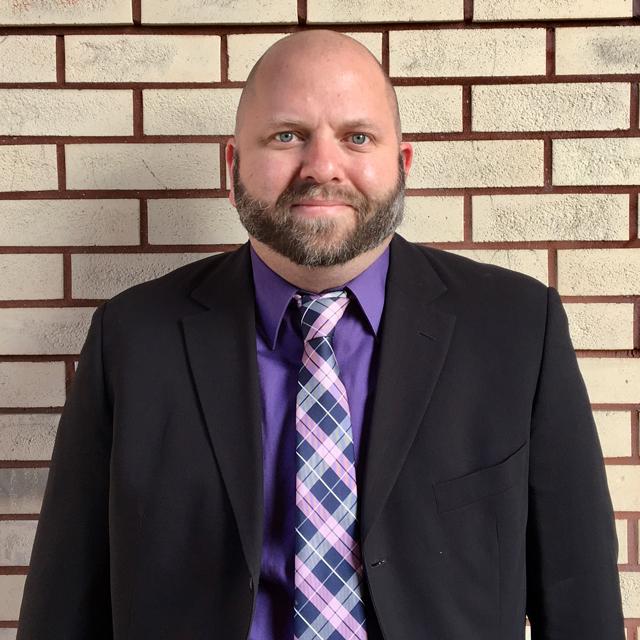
(359, 138)
(284, 133)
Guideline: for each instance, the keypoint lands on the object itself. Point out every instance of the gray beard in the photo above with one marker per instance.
(310, 242)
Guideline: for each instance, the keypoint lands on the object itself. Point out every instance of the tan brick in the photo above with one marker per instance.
(11, 590)
(190, 111)
(9, 634)
(245, 49)
(532, 262)
(431, 108)
(30, 276)
(601, 326)
(142, 58)
(611, 380)
(433, 219)
(21, 490)
(101, 276)
(478, 163)
(27, 58)
(467, 52)
(597, 50)
(550, 217)
(43, 330)
(551, 107)
(16, 542)
(45, 12)
(143, 166)
(27, 436)
(194, 221)
(624, 482)
(596, 161)
(330, 11)
(28, 167)
(69, 222)
(599, 272)
(65, 112)
(489, 10)
(630, 588)
(621, 534)
(218, 11)
(614, 431)
(32, 384)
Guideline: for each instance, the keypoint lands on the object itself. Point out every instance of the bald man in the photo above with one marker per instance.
(329, 432)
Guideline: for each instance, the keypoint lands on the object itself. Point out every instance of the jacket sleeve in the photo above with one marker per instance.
(573, 588)
(67, 594)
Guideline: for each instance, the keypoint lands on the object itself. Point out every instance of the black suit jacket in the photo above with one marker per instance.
(481, 482)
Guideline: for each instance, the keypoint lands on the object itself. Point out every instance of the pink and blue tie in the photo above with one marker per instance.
(328, 601)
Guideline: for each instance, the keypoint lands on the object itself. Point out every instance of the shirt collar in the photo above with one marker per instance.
(273, 294)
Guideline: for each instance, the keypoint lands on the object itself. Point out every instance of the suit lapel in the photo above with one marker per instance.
(415, 339)
(221, 347)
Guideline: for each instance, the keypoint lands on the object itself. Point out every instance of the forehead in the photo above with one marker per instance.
(333, 88)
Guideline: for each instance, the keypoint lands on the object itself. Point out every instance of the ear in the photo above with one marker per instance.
(228, 156)
(406, 151)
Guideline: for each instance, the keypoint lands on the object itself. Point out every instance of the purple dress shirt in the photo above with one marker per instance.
(279, 346)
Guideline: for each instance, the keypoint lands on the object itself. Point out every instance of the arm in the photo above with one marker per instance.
(573, 588)
(67, 593)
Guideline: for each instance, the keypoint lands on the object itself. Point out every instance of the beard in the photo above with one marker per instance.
(318, 241)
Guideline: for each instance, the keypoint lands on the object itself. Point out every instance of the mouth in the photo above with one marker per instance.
(319, 207)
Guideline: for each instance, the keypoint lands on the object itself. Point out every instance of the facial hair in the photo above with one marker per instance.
(314, 242)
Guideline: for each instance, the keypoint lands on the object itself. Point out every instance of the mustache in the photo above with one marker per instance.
(308, 190)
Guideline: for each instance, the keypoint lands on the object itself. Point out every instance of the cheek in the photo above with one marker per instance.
(265, 178)
(374, 177)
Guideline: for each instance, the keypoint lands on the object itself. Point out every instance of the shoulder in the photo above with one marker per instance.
(475, 290)
(159, 302)
(465, 275)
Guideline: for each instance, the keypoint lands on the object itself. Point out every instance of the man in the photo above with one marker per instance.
(330, 432)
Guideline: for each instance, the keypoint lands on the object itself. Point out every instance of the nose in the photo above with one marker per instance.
(321, 160)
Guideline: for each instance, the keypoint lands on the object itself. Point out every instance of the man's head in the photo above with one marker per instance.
(317, 161)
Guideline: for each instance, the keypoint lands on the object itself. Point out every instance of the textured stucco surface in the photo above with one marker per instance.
(463, 52)
(143, 166)
(194, 221)
(585, 106)
(47, 12)
(100, 276)
(551, 9)
(142, 58)
(324, 11)
(27, 58)
(218, 11)
(466, 163)
(551, 217)
(27, 436)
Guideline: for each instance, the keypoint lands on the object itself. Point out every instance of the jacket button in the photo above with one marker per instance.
(251, 583)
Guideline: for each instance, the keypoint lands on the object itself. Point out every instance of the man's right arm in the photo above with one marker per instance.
(67, 590)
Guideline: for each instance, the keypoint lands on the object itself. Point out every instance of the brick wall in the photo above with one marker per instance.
(113, 114)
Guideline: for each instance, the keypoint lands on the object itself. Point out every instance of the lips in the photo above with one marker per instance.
(320, 203)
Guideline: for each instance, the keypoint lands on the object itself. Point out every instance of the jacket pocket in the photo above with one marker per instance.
(458, 492)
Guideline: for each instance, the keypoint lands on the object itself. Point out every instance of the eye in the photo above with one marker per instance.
(284, 136)
(359, 138)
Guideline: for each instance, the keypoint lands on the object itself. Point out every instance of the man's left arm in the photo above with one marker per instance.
(573, 588)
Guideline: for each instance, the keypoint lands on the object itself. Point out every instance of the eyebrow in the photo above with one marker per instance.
(276, 123)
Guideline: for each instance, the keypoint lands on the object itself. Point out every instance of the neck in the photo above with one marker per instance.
(317, 279)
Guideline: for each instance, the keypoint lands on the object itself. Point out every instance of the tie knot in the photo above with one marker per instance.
(320, 313)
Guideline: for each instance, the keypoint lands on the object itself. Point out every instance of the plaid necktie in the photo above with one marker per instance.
(328, 567)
